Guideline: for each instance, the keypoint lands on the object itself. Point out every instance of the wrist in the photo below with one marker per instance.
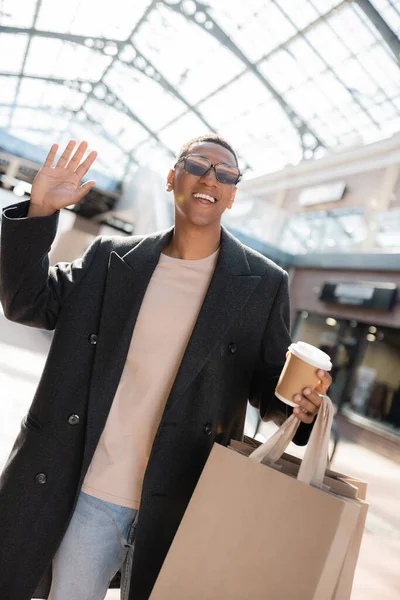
(36, 210)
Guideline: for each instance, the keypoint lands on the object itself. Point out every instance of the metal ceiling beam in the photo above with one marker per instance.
(309, 139)
(111, 99)
(379, 22)
(107, 47)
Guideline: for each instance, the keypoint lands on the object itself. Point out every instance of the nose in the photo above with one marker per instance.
(210, 176)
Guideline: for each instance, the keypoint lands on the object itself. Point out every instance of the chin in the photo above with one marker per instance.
(196, 220)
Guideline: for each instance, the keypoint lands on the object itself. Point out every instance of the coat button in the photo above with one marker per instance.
(207, 429)
(41, 478)
(232, 347)
(93, 339)
(73, 419)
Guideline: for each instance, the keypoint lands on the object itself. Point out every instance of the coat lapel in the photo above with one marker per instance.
(127, 280)
(231, 287)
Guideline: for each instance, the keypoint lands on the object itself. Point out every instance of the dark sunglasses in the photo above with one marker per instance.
(199, 165)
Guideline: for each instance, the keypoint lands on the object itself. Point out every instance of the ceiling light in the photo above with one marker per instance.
(331, 322)
(127, 54)
(189, 7)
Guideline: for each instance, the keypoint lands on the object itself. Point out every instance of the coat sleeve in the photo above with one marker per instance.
(275, 343)
(31, 292)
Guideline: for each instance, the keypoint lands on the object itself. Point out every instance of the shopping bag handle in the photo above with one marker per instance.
(314, 463)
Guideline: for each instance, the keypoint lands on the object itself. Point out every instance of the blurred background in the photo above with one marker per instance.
(308, 93)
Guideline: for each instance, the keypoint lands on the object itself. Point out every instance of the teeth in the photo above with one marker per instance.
(204, 197)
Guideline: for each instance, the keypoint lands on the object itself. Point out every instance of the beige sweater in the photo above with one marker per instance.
(164, 325)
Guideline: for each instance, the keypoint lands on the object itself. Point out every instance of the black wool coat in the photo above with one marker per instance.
(235, 354)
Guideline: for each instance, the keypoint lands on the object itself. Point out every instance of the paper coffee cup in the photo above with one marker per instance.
(300, 371)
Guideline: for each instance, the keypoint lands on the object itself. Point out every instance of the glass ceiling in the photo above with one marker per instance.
(282, 80)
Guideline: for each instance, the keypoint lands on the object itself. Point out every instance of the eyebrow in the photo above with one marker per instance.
(222, 162)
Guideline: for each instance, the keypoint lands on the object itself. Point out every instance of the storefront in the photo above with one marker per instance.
(366, 359)
(361, 333)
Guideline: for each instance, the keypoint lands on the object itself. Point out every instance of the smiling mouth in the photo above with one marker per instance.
(205, 197)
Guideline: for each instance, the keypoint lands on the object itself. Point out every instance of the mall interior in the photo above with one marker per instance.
(308, 93)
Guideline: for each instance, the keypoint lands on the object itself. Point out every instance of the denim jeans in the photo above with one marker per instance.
(97, 543)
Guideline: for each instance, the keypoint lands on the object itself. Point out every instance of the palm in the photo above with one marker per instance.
(57, 187)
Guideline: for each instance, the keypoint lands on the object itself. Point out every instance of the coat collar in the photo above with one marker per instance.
(145, 255)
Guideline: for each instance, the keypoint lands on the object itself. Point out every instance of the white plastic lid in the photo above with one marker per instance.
(311, 355)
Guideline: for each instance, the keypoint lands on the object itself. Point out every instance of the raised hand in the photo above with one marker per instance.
(57, 187)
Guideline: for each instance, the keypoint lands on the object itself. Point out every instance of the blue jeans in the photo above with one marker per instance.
(97, 543)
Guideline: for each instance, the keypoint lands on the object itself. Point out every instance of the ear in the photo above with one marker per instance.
(170, 180)
(232, 198)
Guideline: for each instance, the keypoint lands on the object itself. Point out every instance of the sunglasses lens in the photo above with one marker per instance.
(196, 165)
(227, 174)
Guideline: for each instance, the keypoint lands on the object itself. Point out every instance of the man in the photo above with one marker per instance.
(159, 343)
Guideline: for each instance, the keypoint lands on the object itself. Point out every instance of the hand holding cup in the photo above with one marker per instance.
(304, 379)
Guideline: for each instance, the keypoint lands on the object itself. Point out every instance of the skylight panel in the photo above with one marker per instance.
(182, 130)
(327, 44)
(307, 58)
(119, 125)
(249, 24)
(83, 17)
(166, 39)
(357, 79)
(144, 96)
(58, 16)
(236, 99)
(283, 70)
(26, 118)
(4, 116)
(17, 13)
(351, 30)
(61, 59)
(34, 92)
(8, 86)
(150, 154)
(301, 12)
(324, 6)
(308, 100)
(12, 51)
(382, 68)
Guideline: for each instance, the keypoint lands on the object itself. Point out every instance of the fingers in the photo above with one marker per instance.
(324, 383)
(308, 405)
(64, 158)
(83, 190)
(77, 157)
(87, 163)
(303, 416)
(51, 156)
(309, 402)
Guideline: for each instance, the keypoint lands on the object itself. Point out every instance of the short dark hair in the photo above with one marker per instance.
(214, 138)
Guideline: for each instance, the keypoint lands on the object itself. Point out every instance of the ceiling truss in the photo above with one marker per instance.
(197, 13)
